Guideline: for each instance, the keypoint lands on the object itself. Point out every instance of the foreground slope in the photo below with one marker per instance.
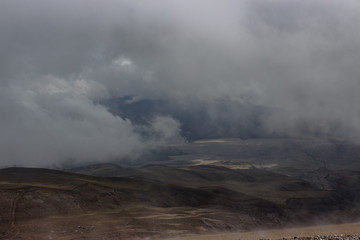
(158, 202)
(348, 231)
(37, 203)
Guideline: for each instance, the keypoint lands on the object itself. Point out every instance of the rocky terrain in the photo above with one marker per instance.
(195, 194)
(318, 237)
(43, 203)
(335, 231)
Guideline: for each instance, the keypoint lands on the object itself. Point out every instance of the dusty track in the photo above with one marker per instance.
(346, 229)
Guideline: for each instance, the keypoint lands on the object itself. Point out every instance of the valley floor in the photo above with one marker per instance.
(326, 230)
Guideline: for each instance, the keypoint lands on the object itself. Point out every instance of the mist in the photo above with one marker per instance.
(247, 68)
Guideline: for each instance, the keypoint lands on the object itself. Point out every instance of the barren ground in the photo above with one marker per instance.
(346, 229)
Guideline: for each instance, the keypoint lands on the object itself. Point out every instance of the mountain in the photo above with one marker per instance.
(207, 186)
(155, 201)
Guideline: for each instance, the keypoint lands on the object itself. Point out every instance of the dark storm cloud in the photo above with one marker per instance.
(58, 59)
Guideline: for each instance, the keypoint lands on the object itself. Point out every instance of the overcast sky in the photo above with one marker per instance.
(299, 59)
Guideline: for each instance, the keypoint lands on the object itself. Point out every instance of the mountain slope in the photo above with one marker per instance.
(54, 199)
(156, 201)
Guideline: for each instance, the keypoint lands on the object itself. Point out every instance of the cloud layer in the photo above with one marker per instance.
(298, 60)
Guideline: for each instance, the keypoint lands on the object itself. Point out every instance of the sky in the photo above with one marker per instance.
(297, 60)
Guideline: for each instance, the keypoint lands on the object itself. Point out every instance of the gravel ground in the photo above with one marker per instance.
(348, 231)
(322, 237)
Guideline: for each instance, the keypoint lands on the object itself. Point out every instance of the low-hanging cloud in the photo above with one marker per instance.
(295, 60)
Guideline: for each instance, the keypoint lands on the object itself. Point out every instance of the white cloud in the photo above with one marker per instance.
(298, 59)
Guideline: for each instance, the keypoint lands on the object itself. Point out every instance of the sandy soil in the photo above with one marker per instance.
(346, 229)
